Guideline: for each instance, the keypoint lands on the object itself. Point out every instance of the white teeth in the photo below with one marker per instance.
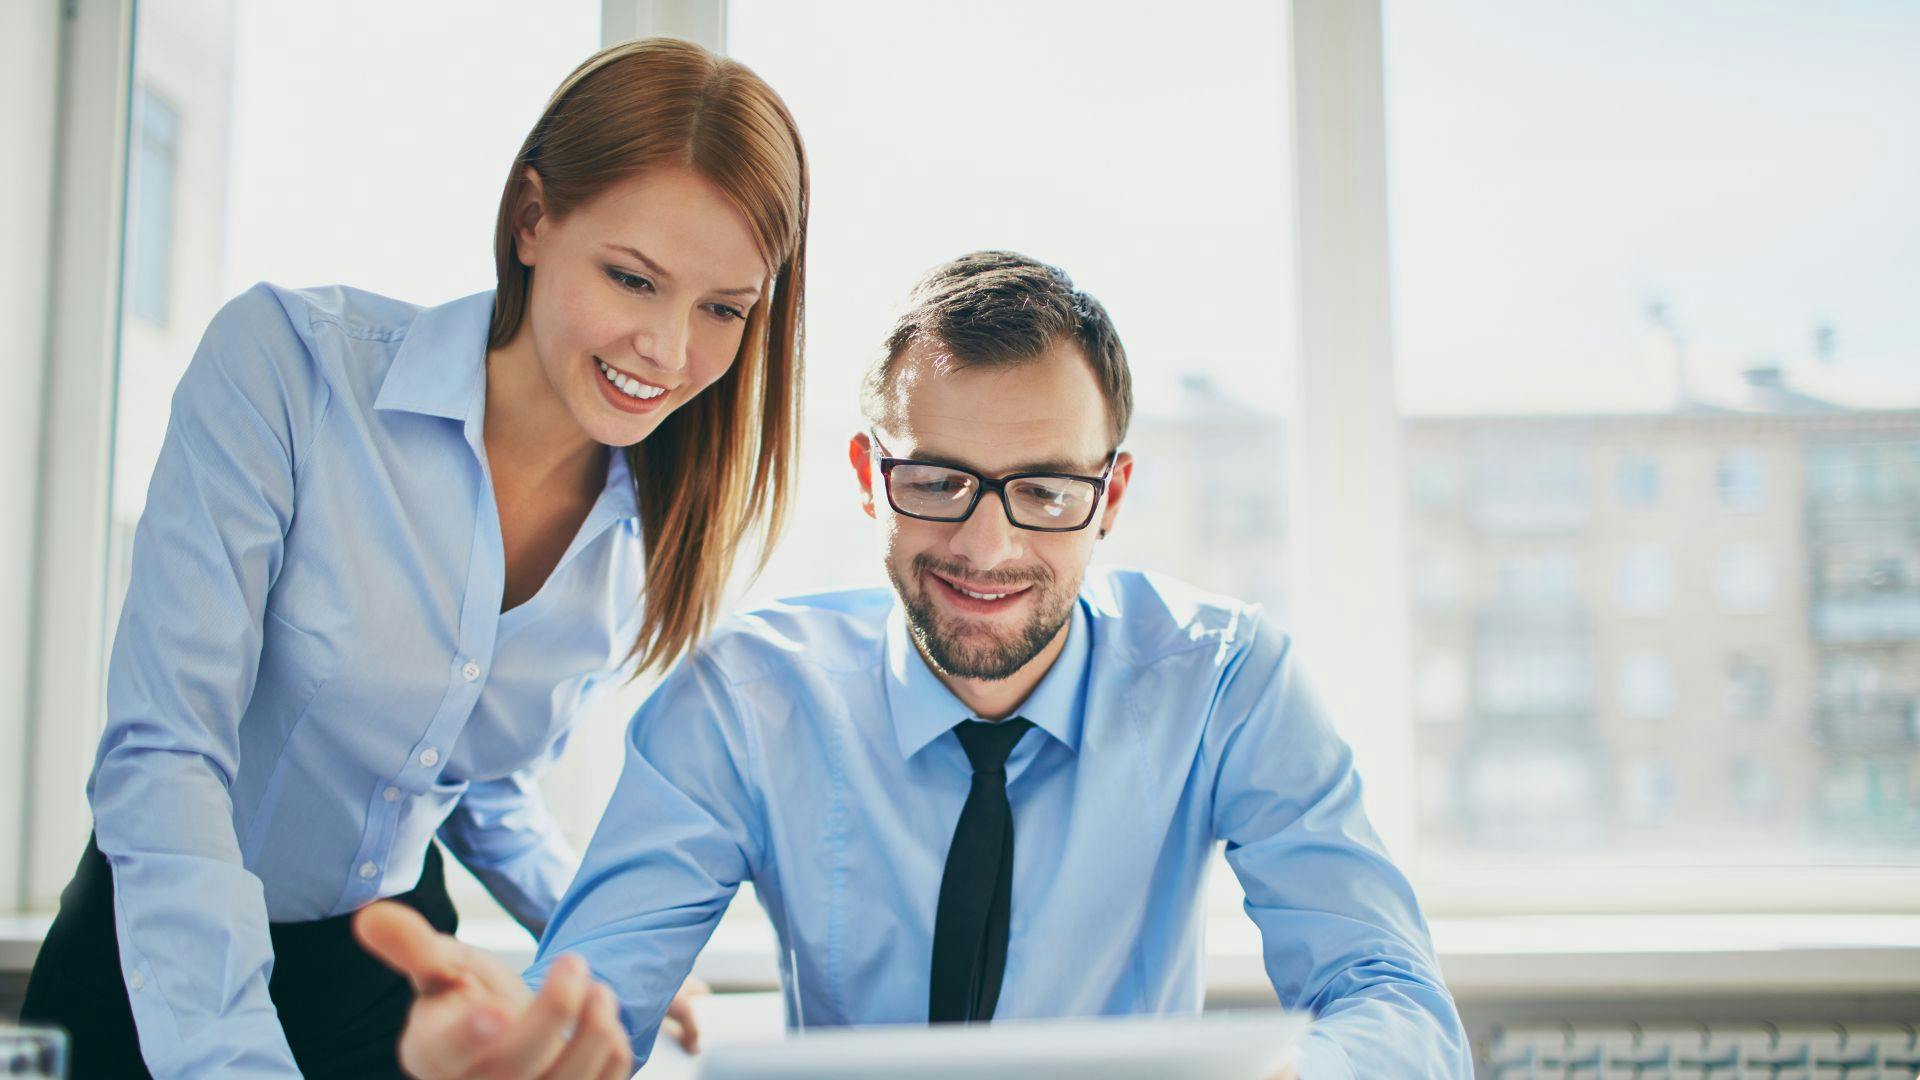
(629, 386)
(981, 595)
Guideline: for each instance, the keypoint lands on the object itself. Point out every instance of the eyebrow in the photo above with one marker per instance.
(1055, 465)
(661, 272)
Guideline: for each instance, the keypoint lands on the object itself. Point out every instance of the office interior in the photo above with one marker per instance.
(1551, 371)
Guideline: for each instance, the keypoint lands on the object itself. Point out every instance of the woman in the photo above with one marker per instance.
(387, 551)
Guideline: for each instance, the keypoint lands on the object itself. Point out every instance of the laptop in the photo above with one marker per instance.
(1248, 1045)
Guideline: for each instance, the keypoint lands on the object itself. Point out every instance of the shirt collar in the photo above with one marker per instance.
(924, 709)
(440, 368)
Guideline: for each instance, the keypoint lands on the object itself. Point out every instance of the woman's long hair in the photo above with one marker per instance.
(721, 466)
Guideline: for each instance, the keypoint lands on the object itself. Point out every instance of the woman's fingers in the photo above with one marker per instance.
(446, 1033)
(599, 1045)
(402, 939)
(535, 1039)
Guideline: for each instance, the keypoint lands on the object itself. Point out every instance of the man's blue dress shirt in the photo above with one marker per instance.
(808, 748)
(312, 676)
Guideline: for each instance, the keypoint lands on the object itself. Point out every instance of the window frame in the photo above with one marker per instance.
(1348, 522)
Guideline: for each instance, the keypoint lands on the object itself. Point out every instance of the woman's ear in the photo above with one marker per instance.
(529, 213)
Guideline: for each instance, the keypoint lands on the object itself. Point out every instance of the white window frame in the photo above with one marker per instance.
(73, 63)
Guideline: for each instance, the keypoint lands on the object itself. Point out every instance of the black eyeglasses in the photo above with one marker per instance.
(1041, 501)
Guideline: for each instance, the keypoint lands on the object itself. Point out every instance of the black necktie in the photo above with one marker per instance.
(976, 893)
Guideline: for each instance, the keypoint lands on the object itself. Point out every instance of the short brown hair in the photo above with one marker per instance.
(721, 467)
(1001, 307)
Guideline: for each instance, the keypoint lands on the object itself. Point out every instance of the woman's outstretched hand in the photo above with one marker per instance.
(472, 1016)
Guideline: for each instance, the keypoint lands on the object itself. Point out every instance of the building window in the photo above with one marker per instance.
(1534, 679)
(1645, 585)
(1649, 790)
(1548, 579)
(1749, 689)
(1437, 583)
(1756, 787)
(1740, 479)
(156, 155)
(1743, 578)
(1639, 480)
(1434, 480)
(1646, 686)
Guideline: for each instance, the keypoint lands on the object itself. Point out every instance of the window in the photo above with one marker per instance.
(1433, 479)
(1539, 580)
(1649, 791)
(1042, 153)
(1743, 578)
(1749, 689)
(1740, 480)
(156, 152)
(1645, 582)
(1578, 302)
(1542, 682)
(1646, 686)
(1438, 583)
(1638, 480)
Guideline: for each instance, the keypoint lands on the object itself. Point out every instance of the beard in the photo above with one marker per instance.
(970, 651)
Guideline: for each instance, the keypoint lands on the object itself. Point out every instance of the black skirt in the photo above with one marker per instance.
(341, 1009)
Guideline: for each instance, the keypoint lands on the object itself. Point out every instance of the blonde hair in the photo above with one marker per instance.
(721, 466)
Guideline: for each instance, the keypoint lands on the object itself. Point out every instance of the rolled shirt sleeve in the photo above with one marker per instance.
(191, 920)
(1342, 932)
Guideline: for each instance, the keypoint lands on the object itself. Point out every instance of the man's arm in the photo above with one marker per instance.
(1342, 932)
(671, 850)
(680, 834)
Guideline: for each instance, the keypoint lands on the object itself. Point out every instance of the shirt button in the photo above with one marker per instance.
(429, 757)
(471, 671)
(390, 794)
(135, 981)
(367, 870)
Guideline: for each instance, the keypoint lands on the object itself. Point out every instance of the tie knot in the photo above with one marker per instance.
(988, 744)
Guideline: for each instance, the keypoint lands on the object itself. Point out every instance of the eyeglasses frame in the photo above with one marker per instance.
(999, 487)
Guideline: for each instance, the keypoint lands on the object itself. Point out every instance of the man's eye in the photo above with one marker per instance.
(1044, 494)
(939, 487)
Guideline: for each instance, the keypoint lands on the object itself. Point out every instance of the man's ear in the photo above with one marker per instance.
(860, 456)
(529, 211)
(1117, 482)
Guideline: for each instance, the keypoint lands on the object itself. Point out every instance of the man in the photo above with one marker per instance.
(990, 792)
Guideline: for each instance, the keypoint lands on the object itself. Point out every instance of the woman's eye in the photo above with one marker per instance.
(726, 311)
(629, 282)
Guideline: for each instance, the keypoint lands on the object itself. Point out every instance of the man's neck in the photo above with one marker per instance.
(997, 699)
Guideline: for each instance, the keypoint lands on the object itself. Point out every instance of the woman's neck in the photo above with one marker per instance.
(528, 428)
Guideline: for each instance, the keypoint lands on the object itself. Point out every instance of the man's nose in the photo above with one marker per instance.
(986, 539)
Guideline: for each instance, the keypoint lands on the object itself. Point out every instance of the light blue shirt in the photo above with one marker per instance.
(809, 749)
(312, 676)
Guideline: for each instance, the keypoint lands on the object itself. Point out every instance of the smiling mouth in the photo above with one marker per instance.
(627, 384)
(987, 594)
